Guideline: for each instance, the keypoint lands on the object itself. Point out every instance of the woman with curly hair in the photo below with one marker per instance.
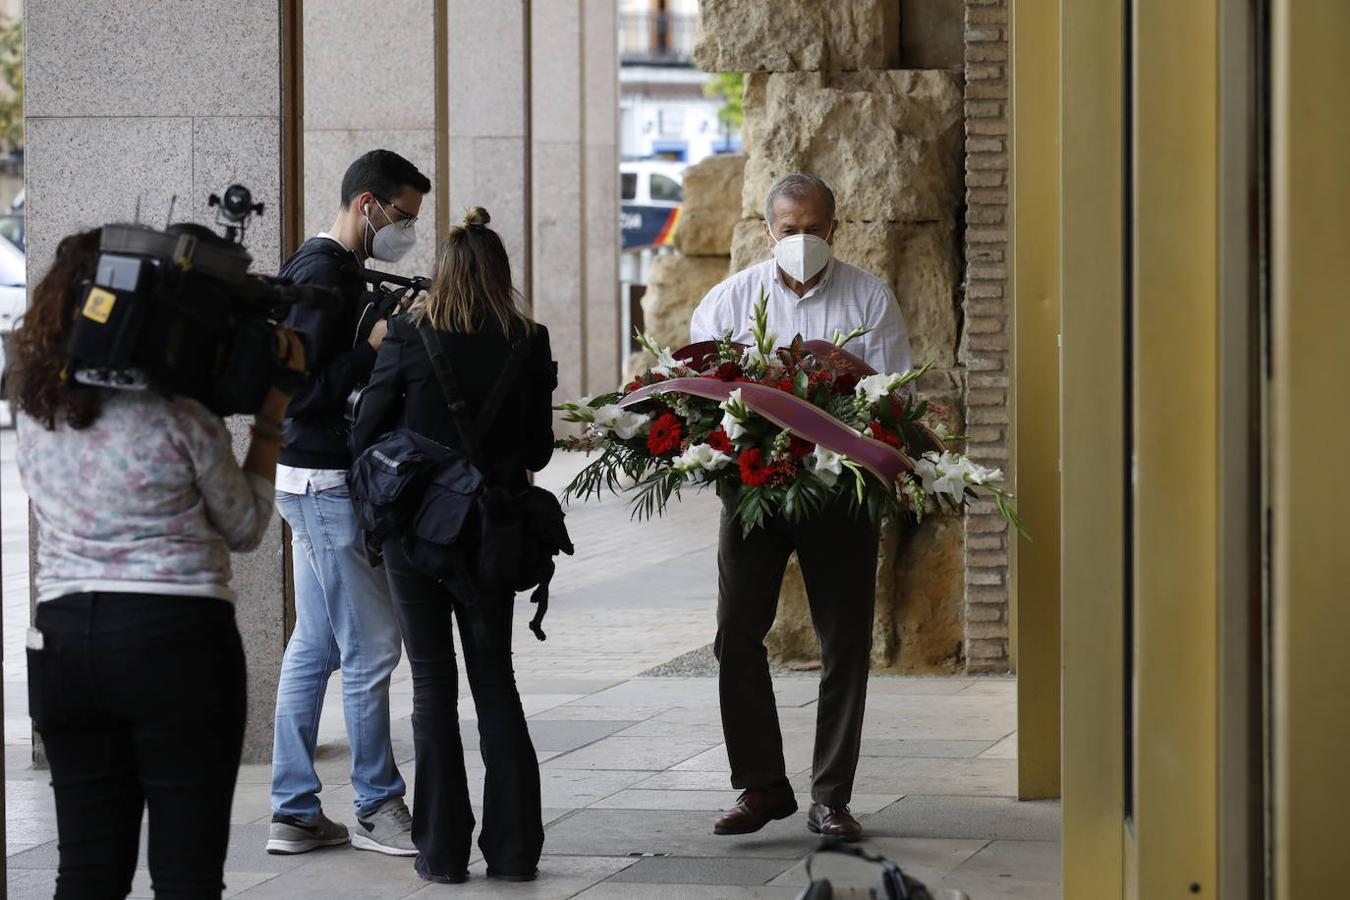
(135, 667)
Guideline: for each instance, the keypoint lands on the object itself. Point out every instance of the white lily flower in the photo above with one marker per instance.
(825, 464)
(874, 387)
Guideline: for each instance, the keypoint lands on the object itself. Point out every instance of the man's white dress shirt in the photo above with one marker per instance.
(845, 298)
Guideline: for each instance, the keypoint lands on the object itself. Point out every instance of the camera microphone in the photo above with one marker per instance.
(236, 204)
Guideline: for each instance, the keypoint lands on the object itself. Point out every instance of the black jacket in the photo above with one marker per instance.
(316, 435)
(404, 393)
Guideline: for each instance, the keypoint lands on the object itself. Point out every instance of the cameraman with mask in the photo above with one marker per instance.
(343, 614)
(135, 666)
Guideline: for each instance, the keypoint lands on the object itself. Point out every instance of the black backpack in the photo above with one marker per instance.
(456, 526)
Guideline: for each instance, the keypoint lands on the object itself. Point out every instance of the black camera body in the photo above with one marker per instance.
(387, 296)
(178, 311)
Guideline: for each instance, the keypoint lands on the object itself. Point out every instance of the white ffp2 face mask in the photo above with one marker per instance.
(392, 242)
(802, 256)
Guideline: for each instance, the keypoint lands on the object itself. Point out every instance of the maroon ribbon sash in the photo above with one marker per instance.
(701, 355)
(799, 416)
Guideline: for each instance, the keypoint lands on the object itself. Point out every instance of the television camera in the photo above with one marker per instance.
(178, 311)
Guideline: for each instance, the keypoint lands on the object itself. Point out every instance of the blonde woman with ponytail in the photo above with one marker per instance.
(475, 314)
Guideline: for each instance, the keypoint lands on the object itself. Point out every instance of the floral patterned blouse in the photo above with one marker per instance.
(148, 499)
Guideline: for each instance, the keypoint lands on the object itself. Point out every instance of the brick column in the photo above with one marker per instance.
(984, 343)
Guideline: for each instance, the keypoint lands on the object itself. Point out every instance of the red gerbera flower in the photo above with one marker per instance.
(754, 473)
(729, 371)
(884, 434)
(718, 440)
(664, 436)
(799, 447)
(785, 384)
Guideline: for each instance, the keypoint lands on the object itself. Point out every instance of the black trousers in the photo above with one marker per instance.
(513, 832)
(838, 555)
(139, 699)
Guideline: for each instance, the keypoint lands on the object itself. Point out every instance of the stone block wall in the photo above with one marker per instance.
(987, 308)
(703, 239)
(797, 35)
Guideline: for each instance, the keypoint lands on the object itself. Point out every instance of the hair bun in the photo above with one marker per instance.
(477, 217)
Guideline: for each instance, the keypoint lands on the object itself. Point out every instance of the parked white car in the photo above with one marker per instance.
(652, 182)
(651, 191)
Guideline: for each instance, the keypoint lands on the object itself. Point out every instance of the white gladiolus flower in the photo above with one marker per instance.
(734, 414)
(977, 474)
(666, 363)
(951, 481)
(874, 387)
(752, 358)
(825, 464)
(698, 460)
(625, 424)
(732, 426)
(949, 473)
(925, 469)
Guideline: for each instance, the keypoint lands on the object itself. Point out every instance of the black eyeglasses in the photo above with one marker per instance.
(406, 220)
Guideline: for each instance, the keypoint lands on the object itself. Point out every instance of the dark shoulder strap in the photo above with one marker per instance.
(500, 388)
(470, 433)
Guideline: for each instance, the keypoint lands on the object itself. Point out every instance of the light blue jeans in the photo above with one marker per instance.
(343, 617)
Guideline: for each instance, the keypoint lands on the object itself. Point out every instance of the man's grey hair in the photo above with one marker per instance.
(799, 187)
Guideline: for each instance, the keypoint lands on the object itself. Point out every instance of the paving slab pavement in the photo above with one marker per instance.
(633, 768)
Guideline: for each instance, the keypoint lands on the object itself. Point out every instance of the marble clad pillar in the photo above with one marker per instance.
(558, 173)
(600, 74)
(369, 83)
(134, 103)
(489, 120)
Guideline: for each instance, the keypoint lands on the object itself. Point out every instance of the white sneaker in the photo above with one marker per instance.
(288, 835)
(387, 830)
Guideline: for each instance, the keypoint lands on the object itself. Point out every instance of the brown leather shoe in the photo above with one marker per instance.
(833, 821)
(755, 808)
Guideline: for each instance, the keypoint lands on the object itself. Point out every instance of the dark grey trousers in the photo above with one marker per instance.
(838, 556)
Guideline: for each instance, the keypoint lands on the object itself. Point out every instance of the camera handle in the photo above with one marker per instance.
(373, 277)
